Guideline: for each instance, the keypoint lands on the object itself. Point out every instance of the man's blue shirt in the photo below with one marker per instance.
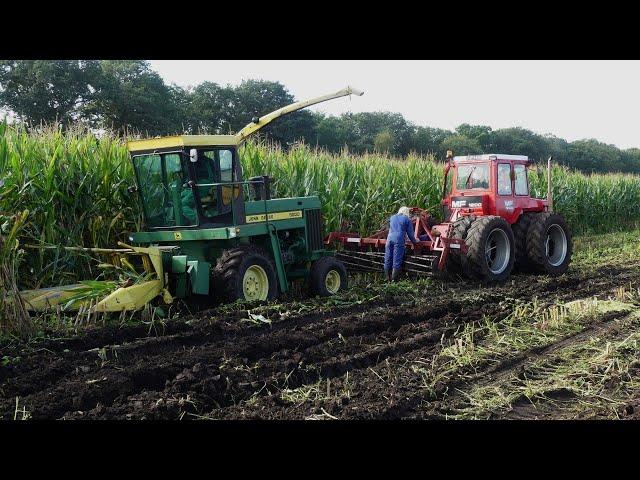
(398, 226)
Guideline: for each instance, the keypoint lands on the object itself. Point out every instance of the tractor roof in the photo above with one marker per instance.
(180, 141)
(490, 156)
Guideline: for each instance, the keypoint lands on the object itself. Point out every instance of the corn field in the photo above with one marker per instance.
(74, 187)
(359, 192)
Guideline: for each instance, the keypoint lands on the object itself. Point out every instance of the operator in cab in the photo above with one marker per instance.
(400, 226)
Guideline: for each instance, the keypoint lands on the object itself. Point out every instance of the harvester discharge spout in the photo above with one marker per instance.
(261, 122)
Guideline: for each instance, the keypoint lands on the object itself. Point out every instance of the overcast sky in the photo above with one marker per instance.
(570, 99)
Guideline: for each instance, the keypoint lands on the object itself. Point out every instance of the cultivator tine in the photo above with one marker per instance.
(363, 268)
(359, 263)
(374, 261)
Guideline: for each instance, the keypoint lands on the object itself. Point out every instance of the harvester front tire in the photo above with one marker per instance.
(491, 252)
(245, 273)
(549, 244)
(520, 231)
(327, 277)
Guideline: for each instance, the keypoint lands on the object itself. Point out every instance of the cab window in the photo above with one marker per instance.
(205, 169)
(166, 201)
(448, 183)
(522, 186)
(184, 202)
(473, 177)
(226, 165)
(215, 166)
(226, 175)
(504, 179)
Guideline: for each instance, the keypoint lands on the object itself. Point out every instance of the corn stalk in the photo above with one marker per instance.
(14, 317)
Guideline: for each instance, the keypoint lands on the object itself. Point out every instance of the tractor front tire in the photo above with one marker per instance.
(520, 231)
(327, 277)
(453, 265)
(490, 254)
(245, 273)
(549, 244)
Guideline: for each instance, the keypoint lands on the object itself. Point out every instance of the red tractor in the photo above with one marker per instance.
(491, 225)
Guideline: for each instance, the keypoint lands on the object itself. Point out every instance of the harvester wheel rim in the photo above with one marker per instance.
(333, 281)
(255, 283)
(497, 251)
(555, 245)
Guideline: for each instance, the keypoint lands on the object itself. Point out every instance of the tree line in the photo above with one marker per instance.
(129, 97)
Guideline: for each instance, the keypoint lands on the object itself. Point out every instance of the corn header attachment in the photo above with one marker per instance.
(144, 280)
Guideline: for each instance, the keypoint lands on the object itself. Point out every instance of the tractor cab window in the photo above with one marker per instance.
(522, 186)
(504, 179)
(226, 165)
(473, 176)
(448, 182)
(215, 166)
(206, 174)
(166, 199)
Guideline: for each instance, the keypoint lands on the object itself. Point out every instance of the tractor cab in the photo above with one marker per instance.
(491, 184)
(189, 181)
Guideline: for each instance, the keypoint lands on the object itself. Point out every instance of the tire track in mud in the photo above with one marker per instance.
(414, 399)
(494, 374)
(213, 363)
(567, 296)
(604, 323)
(136, 340)
(616, 329)
(261, 346)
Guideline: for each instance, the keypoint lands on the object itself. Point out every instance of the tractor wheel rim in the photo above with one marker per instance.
(555, 245)
(497, 251)
(255, 283)
(332, 281)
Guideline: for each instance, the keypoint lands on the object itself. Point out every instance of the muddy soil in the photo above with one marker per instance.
(351, 362)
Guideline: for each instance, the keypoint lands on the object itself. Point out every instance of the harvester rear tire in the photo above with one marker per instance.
(453, 264)
(520, 231)
(327, 277)
(491, 255)
(232, 269)
(549, 244)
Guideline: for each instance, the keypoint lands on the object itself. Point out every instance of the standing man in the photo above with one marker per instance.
(399, 226)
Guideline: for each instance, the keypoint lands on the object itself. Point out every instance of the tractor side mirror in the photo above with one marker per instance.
(132, 189)
(193, 155)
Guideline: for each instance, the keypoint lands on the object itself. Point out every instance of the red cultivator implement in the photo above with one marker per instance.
(366, 254)
(492, 224)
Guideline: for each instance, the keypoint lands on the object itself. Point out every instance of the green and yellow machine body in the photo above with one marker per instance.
(200, 213)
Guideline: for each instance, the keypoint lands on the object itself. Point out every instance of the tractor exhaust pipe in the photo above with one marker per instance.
(549, 187)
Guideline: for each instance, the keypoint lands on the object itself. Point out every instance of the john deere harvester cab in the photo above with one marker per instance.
(209, 232)
(189, 181)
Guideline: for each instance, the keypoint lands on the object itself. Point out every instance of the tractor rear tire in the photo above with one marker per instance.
(454, 259)
(245, 273)
(327, 277)
(491, 252)
(549, 244)
(520, 231)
